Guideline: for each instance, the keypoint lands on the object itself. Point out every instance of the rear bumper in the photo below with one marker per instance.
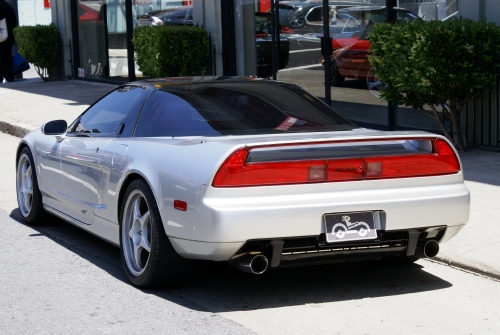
(313, 249)
(226, 219)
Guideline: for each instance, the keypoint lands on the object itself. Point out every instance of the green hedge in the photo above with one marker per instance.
(39, 46)
(436, 66)
(171, 51)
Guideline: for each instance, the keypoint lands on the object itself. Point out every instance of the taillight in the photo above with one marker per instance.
(237, 171)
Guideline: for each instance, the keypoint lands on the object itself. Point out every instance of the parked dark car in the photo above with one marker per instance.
(152, 18)
(180, 17)
(306, 17)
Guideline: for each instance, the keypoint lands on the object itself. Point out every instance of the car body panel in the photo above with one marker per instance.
(82, 180)
(80, 160)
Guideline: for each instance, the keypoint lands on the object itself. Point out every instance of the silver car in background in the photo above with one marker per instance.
(252, 172)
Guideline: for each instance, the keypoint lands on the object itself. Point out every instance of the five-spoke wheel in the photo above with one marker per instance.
(147, 254)
(24, 184)
(29, 197)
(137, 232)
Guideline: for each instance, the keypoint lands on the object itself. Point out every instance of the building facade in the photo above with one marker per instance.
(273, 39)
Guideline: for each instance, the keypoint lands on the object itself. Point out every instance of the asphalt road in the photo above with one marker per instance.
(56, 278)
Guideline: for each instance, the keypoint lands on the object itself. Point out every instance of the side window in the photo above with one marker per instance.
(107, 115)
(166, 114)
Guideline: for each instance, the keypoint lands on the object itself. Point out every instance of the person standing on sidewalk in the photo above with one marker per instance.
(7, 13)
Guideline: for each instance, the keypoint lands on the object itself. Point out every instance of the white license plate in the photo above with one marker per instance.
(342, 227)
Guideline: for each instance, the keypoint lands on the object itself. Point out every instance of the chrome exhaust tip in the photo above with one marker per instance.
(428, 249)
(255, 264)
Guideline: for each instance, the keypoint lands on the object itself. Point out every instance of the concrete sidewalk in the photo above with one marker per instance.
(26, 104)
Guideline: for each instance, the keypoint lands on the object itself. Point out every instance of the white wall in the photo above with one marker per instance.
(32, 12)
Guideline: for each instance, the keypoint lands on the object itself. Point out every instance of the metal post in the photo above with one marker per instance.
(273, 37)
(75, 51)
(327, 51)
(482, 9)
(130, 47)
(392, 108)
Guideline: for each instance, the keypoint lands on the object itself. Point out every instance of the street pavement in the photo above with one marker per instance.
(58, 279)
(27, 103)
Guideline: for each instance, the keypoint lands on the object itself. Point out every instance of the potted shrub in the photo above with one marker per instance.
(39, 45)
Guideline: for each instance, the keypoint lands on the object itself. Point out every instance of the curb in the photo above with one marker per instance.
(13, 130)
(483, 271)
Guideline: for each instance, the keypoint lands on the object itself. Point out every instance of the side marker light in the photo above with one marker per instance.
(180, 205)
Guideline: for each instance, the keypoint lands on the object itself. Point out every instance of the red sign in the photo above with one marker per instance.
(46, 3)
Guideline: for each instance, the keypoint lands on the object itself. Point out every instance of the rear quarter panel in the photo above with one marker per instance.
(175, 169)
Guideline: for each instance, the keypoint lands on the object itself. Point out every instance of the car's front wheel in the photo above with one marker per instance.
(147, 254)
(29, 197)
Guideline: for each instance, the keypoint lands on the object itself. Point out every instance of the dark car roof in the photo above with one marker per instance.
(179, 81)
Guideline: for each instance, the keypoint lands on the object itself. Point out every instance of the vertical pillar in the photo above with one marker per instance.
(327, 51)
(130, 46)
(482, 9)
(392, 107)
(228, 38)
(207, 14)
(62, 16)
(246, 63)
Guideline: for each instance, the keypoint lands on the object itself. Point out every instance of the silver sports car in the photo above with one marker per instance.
(256, 173)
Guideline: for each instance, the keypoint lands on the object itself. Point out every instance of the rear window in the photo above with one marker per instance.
(237, 108)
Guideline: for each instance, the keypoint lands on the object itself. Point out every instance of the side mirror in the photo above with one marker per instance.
(54, 127)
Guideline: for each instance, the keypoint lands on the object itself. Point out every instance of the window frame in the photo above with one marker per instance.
(131, 116)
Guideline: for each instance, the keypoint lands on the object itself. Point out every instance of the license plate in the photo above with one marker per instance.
(342, 227)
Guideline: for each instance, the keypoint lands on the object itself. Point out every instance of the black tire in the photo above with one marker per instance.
(29, 198)
(161, 265)
(335, 76)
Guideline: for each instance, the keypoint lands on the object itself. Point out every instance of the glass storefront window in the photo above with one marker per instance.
(355, 90)
(92, 40)
(102, 31)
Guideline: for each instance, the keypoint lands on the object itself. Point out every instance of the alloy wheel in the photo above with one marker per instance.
(24, 185)
(136, 233)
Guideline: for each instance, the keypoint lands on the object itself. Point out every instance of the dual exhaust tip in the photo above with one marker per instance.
(257, 263)
(427, 249)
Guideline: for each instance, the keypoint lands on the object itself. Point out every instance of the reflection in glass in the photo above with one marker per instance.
(113, 14)
(92, 41)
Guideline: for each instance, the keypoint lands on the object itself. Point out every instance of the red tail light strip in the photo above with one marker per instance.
(236, 172)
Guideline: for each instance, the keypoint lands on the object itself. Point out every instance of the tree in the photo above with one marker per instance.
(436, 66)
